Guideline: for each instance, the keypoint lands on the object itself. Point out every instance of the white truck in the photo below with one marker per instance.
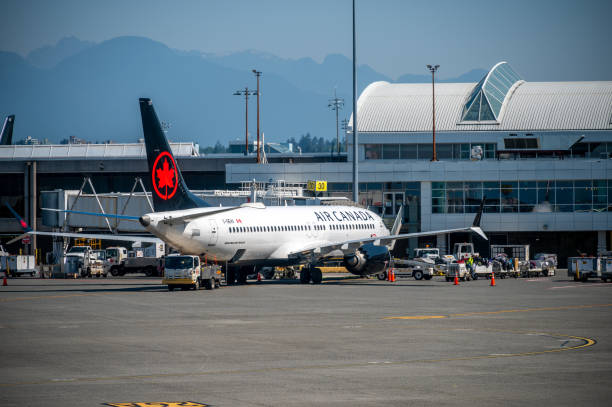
(148, 260)
(81, 261)
(463, 251)
(186, 271)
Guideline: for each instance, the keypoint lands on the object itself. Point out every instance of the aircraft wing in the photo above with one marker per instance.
(349, 246)
(124, 238)
(27, 230)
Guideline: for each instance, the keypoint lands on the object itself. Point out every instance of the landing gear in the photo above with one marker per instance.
(230, 275)
(316, 276)
(308, 274)
(243, 274)
(305, 275)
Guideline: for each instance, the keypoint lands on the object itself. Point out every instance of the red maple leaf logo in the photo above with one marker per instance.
(165, 175)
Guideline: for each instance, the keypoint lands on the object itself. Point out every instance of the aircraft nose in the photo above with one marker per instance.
(145, 220)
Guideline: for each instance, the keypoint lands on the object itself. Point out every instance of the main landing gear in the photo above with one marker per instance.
(309, 273)
(237, 274)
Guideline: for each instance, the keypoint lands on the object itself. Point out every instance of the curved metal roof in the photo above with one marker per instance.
(387, 107)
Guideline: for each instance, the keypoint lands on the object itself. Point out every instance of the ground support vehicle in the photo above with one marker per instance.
(81, 261)
(462, 251)
(18, 265)
(413, 268)
(482, 271)
(186, 271)
(606, 269)
(503, 270)
(119, 262)
(583, 268)
(459, 270)
(547, 262)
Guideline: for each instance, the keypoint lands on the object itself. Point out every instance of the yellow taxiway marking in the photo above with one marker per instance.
(587, 342)
(467, 314)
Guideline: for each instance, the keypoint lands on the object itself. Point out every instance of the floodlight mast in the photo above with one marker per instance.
(433, 70)
(246, 92)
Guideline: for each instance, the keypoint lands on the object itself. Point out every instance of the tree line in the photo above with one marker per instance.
(306, 144)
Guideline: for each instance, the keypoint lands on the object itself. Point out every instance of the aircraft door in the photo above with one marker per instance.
(214, 232)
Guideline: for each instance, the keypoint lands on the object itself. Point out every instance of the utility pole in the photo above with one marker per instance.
(246, 92)
(257, 74)
(433, 70)
(355, 135)
(336, 104)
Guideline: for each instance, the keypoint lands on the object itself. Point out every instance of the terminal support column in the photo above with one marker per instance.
(33, 203)
(601, 242)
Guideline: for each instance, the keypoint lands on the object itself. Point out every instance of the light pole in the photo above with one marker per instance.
(257, 74)
(355, 133)
(336, 104)
(433, 70)
(246, 92)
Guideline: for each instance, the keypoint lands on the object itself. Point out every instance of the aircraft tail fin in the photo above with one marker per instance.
(170, 192)
(26, 228)
(6, 136)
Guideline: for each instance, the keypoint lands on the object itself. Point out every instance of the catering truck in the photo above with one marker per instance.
(186, 271)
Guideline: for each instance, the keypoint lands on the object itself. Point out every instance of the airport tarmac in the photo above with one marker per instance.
(347, 342)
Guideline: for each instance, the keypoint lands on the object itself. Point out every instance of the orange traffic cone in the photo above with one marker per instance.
(258, 277)
(4, 282)
(393, 275)
(492, 279)
(456, 279)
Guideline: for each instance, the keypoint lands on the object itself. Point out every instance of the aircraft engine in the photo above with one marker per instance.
(367, 260)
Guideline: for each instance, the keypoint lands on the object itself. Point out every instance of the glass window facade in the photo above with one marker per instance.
(522, 196)
(486, 100)
(444, 151)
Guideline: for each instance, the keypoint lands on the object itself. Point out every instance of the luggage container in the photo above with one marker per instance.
(583, 268)
(20, 265)
(606, 269)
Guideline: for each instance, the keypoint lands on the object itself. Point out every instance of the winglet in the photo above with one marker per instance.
(479, 214)
(479, 231)
(22, 222)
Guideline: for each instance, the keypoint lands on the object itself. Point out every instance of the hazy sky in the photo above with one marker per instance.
(542, 39)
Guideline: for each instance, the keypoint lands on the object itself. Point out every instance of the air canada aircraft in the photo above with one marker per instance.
(253, 235)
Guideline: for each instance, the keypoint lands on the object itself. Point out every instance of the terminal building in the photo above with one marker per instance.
(537, 152)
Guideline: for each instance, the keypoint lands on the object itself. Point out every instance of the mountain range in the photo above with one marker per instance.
(91, 90)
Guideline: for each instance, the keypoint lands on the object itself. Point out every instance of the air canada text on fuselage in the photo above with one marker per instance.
(342, 216)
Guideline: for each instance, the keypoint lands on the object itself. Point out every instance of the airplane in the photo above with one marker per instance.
(253, 235)
(6, 135)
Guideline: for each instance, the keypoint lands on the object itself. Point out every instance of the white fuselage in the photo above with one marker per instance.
(266, 234)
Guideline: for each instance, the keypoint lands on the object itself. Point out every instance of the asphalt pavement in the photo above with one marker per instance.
(346, 342)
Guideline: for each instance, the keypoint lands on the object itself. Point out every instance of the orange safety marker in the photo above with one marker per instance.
(392, 275)
(456, 279)
(258, 277)
(4, 282)
(492, 279)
